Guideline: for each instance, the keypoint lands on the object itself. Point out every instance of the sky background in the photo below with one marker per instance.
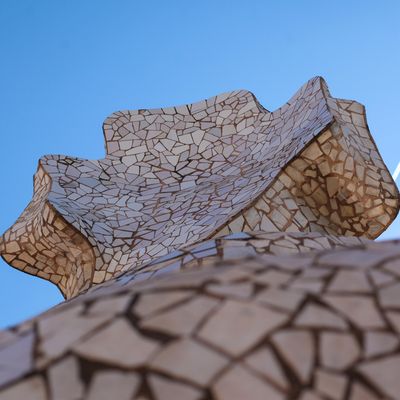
(66, 65)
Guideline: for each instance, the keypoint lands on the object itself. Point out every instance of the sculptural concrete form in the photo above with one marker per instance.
(218, 251)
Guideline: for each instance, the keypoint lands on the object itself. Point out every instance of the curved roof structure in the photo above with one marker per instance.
(176, 176)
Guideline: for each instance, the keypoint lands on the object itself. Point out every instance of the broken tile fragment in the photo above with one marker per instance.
(117, 344)
(297, 348)
(113, 384)
(166, 389)
(383, 373)
(197, 363)
(236, 326)
(238, 383)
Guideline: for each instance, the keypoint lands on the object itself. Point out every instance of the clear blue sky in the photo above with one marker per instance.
(66, 65)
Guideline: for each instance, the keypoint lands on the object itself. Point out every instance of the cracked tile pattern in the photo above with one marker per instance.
(176, 176)
(219, 251)
(225, 328)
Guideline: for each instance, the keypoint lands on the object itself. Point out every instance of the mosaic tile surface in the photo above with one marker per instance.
(219, 252)
(240, 324)
(175, 176)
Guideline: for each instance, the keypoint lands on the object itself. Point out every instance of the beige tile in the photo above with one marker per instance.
(316, 316)
(307, 285)
(384, 374)
(338, 350)
(381, 278)
(265, 363)
(181, 319)
(273, 278)
(113, 384)
(297, 348)
(30, 388)
(16, 357)
(361, 310)
(237, 326)
(394, 318)
(284, 299)
(197, 363)
(167, 389)
(64, 380)
(238, 383)
(331, 385)
(349, 281)
(309, 395)
(150, 303)
(113, 305)
(360, 392)
(58, 332)
(377, 343)
(389, 296)
(117, 344)
(238, 290)
(351, 258)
